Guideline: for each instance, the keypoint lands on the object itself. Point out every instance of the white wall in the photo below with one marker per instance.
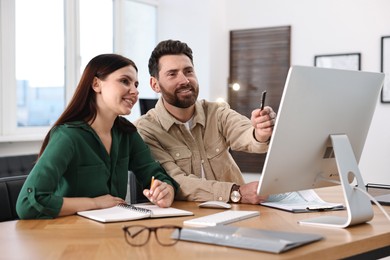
(17, 148)
(318, 27)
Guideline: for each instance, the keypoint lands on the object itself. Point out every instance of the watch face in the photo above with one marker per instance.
(235, 196)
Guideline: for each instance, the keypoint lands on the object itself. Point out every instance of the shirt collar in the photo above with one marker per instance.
(167, 120)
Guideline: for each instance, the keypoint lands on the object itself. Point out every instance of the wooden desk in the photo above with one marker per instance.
(75, 237)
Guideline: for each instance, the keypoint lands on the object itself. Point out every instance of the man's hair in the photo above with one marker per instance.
(168, 47)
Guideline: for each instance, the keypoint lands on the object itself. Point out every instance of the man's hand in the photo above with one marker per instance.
(249, 193)
(263, 121)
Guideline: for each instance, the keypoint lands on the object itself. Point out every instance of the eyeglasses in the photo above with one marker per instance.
(138, 235)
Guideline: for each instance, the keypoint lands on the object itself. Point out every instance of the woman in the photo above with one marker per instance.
(85, 158)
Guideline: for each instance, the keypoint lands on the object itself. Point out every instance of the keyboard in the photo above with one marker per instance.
(221, 218)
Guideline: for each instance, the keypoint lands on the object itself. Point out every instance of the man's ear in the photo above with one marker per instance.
(96, 85)
(154, 84)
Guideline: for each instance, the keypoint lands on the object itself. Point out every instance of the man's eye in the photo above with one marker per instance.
(189, 72)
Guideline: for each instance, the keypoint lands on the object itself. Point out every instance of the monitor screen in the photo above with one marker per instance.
(317, 103)
(146, 104)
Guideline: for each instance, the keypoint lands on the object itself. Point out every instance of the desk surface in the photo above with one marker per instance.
(75, 237)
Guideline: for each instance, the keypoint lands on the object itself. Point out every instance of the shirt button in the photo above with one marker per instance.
(177, 154)
(217, 150)
(29, 190)
(219, 198)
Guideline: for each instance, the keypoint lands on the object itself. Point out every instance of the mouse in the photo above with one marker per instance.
(215, 204)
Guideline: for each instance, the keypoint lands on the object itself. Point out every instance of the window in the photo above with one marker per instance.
(39, 65)
(44, 53)
(96, 29)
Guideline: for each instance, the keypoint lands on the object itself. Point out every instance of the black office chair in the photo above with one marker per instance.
(9, 192)
(13, 173)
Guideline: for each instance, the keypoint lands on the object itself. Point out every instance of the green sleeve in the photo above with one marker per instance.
(37, 198)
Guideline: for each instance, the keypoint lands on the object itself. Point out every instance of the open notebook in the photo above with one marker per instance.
(126, 212)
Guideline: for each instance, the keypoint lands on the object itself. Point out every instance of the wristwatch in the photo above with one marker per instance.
(235, 195)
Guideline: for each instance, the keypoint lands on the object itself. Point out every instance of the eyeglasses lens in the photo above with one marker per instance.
(166, 235)
(137, 235)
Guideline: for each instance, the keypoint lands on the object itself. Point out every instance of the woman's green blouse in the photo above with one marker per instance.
(75, 163)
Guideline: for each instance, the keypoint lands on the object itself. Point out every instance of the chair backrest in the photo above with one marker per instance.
(16, 165)
(13, 173)
(146, 104)
(9, 192)
(135, 190)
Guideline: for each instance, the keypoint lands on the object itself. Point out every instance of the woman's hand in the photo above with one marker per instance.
(107, 201)
(160, 193)
(71, 206)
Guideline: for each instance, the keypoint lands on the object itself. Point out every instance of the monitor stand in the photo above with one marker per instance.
(358, 204)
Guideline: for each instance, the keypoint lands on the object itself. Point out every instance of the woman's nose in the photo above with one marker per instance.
(133, 89)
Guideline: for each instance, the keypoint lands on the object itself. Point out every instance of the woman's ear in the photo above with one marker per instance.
(154, 84)
(96, 86)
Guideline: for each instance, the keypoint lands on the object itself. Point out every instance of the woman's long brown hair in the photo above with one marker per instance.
(82, 106)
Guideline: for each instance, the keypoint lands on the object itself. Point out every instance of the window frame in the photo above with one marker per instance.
(9, 131)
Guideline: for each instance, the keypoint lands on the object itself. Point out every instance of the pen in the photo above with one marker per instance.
(151, 182)
(263, 95)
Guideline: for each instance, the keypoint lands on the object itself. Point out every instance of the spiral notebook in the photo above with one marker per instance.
(126, 212)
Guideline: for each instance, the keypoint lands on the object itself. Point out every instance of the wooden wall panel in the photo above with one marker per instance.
(259, 60)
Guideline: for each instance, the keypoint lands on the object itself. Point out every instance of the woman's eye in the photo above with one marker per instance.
(125, 81)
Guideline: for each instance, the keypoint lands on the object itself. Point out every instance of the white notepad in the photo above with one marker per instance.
(125, 212)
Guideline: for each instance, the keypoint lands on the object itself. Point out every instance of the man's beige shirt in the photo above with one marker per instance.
(215, 129)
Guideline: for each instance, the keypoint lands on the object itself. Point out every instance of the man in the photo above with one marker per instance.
(191, 138)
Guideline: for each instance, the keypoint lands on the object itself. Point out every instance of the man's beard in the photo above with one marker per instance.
(175, 100)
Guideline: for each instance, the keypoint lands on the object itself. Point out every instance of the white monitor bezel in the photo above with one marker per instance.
(317, 103)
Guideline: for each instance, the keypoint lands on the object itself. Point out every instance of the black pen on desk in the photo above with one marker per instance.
(263, 96)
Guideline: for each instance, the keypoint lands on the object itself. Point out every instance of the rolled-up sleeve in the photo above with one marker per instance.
(38, 198)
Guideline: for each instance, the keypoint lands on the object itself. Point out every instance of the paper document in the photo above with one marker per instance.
(300, 201)
(248, 238)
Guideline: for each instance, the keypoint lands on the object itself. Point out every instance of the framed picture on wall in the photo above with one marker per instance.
(385, 68)
(348, 61)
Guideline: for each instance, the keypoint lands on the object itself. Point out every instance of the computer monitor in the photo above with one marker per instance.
(319, 134)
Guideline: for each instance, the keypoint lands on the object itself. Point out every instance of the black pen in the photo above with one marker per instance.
(263, 95)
